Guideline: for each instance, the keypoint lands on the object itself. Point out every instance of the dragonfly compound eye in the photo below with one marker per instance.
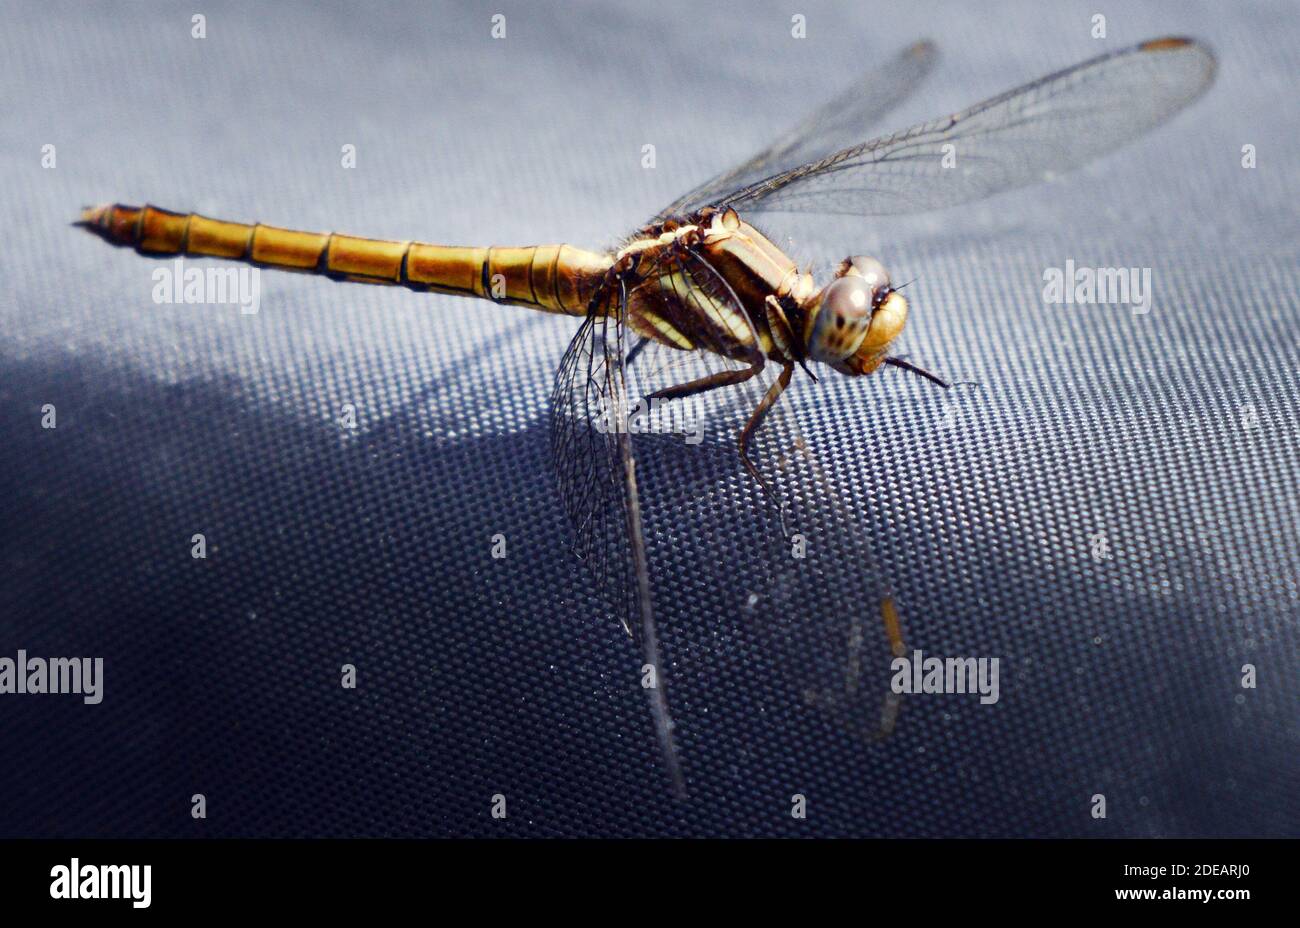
(870, 270)
(841, 319)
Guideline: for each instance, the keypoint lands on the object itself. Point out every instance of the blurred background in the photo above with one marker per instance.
(1170, 436)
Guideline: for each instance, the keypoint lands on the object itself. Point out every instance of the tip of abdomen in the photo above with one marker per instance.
(110, 221)
(93, 217)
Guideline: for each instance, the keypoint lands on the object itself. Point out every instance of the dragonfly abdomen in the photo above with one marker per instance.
(553, 278)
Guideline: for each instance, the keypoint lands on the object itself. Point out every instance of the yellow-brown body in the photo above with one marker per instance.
(553, 278)
(707, 282)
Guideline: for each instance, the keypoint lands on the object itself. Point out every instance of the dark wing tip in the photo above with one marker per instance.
(1178, 43)
(1167, 43)
(1173, 43)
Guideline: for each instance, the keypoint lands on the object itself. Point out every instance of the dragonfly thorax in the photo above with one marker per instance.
(714, 282)
(705, 282)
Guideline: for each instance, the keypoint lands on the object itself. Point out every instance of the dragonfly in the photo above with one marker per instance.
(699, 306)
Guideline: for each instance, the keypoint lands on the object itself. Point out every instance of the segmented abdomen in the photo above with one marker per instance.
(554, 278)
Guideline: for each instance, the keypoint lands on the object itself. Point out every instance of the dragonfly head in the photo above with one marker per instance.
(853, 319)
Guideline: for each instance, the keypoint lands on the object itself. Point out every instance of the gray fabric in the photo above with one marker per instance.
(1120, 676)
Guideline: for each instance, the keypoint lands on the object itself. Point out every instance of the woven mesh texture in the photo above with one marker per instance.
(1172, 434)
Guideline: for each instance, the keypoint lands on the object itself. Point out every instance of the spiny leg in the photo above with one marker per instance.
(919, 371)
(755, 420)
(710, 382)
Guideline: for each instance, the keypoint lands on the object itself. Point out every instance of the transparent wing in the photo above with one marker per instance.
(586, 455)
(839, 123)
(1051, 125)
(596, 470)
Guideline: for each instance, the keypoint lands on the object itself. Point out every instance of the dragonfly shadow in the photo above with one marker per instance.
(325, 550)
(478, 675)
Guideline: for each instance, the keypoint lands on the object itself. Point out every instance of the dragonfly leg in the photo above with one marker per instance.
(894, 632)
(919, 371)
(711, 382)
(755, 420)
